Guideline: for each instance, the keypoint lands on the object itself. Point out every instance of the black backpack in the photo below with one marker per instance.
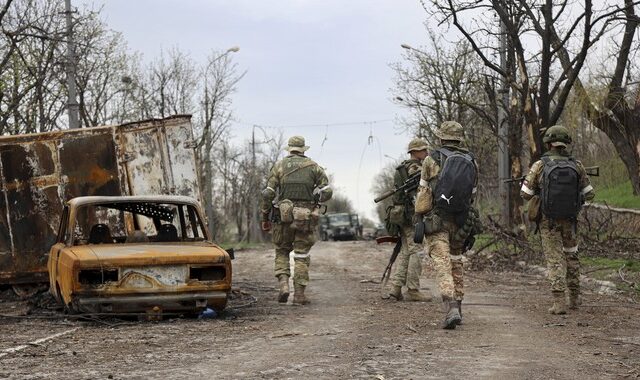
(560, 194)
(456, 181)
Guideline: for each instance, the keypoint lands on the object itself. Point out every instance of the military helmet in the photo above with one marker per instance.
(416, 144)
(296, 144)
(557, 135)
(450, 130)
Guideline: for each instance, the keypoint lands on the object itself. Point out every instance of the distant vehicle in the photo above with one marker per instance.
(340, 226)
(137, 254)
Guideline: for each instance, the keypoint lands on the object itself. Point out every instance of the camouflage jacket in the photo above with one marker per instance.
(533, 181)
(298, 178)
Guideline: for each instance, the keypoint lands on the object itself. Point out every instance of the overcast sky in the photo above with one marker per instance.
(308, 62)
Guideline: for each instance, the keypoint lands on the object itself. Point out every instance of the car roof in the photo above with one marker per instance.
(87, 200)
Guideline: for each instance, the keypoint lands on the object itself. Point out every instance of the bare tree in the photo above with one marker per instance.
(548, 44)
(220, 79)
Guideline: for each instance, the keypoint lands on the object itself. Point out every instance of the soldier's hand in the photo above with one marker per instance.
(266, 226)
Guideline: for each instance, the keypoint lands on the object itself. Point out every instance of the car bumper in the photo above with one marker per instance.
(157, 303)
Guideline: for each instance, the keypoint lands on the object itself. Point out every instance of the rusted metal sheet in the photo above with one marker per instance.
(39, 172)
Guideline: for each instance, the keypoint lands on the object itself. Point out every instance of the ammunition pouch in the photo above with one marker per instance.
(286, 211)
(418, 234)
(301, 219)
(393, 229)
(396, 215)
(432, 223)
(424, 200)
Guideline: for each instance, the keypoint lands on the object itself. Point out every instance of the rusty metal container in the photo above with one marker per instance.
(39, 172)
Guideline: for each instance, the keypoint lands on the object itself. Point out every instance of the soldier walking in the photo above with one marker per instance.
(299, 185)
(560, 185)
(447, 186)
(409, 266)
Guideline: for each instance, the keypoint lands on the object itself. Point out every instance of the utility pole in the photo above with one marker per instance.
(504, 167)
(254, 231)
(72, 93)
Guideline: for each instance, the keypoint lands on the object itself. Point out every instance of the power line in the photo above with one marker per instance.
(316, 125)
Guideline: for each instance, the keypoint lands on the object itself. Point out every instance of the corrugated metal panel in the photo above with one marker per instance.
(39, 172)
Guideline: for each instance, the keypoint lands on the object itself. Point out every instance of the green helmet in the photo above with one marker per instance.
(450, 130)
(417, 144)
(557, 135)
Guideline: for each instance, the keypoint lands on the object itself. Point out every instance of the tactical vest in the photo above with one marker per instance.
(297, 180)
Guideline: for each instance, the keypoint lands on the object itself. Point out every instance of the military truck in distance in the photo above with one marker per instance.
(340, 226)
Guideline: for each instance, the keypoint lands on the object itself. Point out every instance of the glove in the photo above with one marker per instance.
(266, 226)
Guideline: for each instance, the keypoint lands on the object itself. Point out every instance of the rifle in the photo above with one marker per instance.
(409, 185)
(394, 255)
(593, 171)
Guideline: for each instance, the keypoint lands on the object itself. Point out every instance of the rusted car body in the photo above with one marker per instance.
(137, 254)
(40, 172)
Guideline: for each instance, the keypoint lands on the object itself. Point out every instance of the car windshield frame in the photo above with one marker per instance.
(184, 210)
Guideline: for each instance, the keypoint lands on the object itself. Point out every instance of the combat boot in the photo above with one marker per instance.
(415, 295)
(396, 292)
(574, 299)
(284, 288)
(559, 304)
(460, 310)
(298, 295)
(452, 319)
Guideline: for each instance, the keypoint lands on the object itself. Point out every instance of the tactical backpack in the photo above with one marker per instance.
(457, 179)
(560, 193)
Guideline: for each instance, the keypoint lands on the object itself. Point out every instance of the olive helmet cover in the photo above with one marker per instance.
(557, 135)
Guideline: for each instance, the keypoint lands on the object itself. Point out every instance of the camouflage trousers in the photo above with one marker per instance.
(561, 253)
(409, 262)
(286, 239)
(447, 261)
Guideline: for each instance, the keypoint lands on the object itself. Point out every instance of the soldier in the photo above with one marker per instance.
(447, 185)
(299, 184)
(559, 202)
(409, 267)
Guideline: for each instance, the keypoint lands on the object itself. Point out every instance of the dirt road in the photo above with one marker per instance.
(347, 332)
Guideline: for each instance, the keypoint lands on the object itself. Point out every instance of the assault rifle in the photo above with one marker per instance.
(408, 186)
(593, 171)
(394, 255)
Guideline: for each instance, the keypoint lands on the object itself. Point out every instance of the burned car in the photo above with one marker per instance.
(137, 254)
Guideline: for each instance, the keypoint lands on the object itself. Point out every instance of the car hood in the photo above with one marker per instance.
(148, 254)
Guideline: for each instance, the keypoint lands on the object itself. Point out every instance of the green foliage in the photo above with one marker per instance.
(607, 263)
(619, 195)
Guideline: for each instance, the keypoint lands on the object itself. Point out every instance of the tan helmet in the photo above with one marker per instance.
(297, 144)
(557, 135)
(416, 144)
(450, 130)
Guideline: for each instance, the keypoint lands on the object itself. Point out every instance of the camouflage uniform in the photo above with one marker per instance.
(409, 263)
(445, 250)
(299, 179)
(559, 236)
